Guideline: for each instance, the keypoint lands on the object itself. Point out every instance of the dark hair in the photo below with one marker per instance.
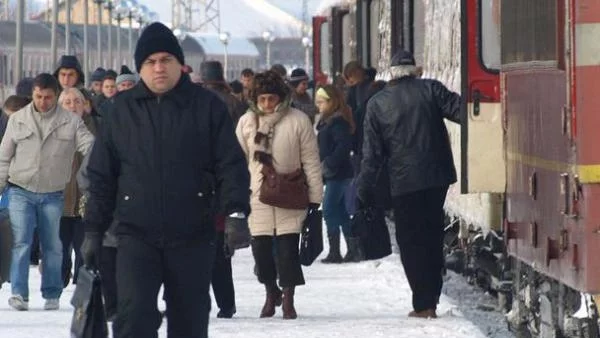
(353, 68)
(246, 72)
(109, 77)
(15, 103)
(269, 82)
(236, 87)
(46, 81)
(279, 69)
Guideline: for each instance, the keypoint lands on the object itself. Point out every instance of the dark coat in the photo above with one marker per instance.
(158, 163)
(357, 94)
(335, 144)
(3, 123)
(405, 126)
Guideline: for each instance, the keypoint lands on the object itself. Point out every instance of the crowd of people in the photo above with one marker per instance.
(145, 174)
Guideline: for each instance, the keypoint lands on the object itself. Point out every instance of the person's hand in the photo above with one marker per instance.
(90, 249)
(237, 234)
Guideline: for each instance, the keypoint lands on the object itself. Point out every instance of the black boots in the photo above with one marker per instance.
(334, 255)
(289, 312)
(355, 253)
(272, 300)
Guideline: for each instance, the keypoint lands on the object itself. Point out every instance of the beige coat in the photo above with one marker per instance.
(294, 145)
(41, 164)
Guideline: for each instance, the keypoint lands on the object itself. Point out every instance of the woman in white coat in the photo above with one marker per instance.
(273, 133)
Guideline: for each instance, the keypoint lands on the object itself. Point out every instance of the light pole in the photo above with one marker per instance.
(54, 35)
(142, 18)
(86, 46)
(306, 42)
(19, 40)
(119, 15)
(68, 27)
(132, 11)
(110, 6)
(224, 37)
(268, 37)
(99, 31)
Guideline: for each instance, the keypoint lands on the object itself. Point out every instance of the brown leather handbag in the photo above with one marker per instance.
(287, 191)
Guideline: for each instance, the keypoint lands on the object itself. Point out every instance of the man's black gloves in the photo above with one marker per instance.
(90, 249)
(237, 234)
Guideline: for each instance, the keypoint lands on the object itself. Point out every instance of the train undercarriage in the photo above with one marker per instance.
(535, 305)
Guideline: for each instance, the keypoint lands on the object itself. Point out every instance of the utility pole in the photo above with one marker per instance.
(68, 28)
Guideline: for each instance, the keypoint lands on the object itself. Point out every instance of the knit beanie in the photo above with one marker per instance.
(298, 75)
(212, 71)
(98, 74)
(126, 75)
(154, 39)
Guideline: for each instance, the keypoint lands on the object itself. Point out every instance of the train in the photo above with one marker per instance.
(523, 221)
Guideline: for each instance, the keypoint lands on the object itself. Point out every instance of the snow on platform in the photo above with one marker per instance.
(368, 299)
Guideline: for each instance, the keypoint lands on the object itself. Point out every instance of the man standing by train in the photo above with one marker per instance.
(404, 127)
(167, 147)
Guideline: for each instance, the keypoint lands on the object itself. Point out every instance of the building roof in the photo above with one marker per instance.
(211, 45)
(34, 34)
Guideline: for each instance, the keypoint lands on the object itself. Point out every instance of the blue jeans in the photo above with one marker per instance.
(334, 208)
(29, 210)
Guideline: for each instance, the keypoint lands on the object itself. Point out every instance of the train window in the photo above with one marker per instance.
(375, 34)
(325, 50)
(346, 39)
(489, 30)
(529, 31)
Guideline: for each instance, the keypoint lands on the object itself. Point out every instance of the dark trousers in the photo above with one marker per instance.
(222, 276)
(185, 272)
(108, 271)
(287, 257)
(71, 236)
(419, 220)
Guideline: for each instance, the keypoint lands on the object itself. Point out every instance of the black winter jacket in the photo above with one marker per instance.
(404, 126)
(335, 144)
(159, 161)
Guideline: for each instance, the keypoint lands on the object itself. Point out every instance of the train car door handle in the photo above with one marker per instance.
(477, 97)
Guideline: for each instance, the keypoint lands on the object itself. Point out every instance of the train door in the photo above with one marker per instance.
(340, 40)
(321, 50)
(483, 164)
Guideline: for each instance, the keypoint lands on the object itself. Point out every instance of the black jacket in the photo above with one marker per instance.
(159, 161)
(335, 144)
(404, 127)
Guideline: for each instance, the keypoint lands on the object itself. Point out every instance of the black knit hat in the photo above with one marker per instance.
(298, 75)
(154, 39)
(403, 58)
(70, 62)
(98, 74)
(212, 71)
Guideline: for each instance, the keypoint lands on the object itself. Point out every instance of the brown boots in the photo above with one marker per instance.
(276, 298)
(429, 313)
(289, 312)
(273, 299)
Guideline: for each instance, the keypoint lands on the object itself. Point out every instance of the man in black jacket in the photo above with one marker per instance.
(404, 127)
(166, 148)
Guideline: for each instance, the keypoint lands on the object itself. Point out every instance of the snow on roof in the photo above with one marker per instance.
(212, 45)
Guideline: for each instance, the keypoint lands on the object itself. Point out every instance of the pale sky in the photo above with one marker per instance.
(250, 17)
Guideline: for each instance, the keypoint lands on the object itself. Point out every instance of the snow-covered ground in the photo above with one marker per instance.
(368, 299)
